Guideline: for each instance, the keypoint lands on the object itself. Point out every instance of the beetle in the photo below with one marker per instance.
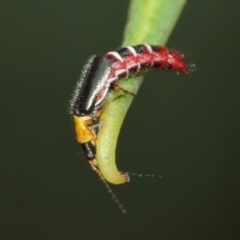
(101, 73)
(99, 76)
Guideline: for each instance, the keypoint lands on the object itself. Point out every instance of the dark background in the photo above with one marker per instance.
(185, 128)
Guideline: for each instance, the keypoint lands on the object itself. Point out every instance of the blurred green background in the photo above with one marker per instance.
(185, 128)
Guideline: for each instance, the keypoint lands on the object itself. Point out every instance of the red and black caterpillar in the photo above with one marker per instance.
(132, 60)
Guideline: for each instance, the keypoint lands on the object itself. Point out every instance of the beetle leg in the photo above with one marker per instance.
(117, 88)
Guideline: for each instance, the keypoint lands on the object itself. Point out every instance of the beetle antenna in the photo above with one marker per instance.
(143, 175)
(114, 197)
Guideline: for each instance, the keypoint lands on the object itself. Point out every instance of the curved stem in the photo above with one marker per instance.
(150, 22)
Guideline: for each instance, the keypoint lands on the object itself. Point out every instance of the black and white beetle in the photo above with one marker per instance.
(99, 75)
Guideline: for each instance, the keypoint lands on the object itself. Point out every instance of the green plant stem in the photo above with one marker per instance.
(149, 21)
